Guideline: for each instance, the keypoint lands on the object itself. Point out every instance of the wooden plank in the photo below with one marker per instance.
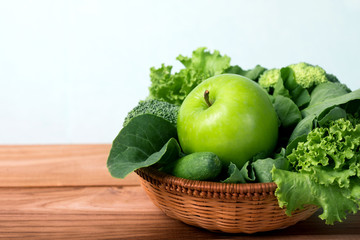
(123, 213)
(57, 165)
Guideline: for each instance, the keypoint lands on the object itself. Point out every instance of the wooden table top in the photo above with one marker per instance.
(66, 192)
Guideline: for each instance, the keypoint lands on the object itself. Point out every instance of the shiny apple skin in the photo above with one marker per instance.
(240, 122)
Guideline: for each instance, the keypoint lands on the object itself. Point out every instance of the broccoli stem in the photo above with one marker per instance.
(206, 97)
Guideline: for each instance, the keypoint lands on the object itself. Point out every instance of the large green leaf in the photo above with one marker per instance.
(287, 111)
(302, 128)
(146, 140)
(317, 108)
(253, 74)
(298, 189)
(263, 167)
(240, 176)
(327, 90)
(334, 114)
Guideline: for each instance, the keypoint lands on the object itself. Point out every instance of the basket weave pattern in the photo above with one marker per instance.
(225, 207)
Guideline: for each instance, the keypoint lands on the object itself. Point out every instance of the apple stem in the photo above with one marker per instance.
(206, 96)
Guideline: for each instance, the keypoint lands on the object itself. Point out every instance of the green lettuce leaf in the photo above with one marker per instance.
(205, 63)
(327, 171)
(336, 146)
(323, 111)
(144, 141)
(173, 88)
(295, 190)
(328, 175)
(165, 86)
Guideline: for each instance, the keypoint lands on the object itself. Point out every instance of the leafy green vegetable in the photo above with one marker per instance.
(263, 167)
(253, 74)
(306, 75)
(257, 170)
(327, 168)
(328, 146)
(322, 112)
(319, 133)
(298, 94)
(287, 86)
(325, 91)
(318, 108)
(287, 111)
(146, 140)
(280, 89)
(332, 78)
(303, 127)
(173, 88)
(334, 114)
(294, 142)
(240, 176)
(162, 109)
(295, 190)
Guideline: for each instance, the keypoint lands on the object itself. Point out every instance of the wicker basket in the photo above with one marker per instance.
(224, 207)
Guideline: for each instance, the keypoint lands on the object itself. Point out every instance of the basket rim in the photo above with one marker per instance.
(205, 186)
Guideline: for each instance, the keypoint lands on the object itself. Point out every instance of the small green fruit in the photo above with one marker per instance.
(197, 166)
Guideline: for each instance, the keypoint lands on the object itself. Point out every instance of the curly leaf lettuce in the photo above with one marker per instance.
(327, 171)
(173, 88)
(298, 189)
(336, 146)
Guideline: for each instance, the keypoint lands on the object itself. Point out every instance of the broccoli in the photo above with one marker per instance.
(269, 78)
(159, 108)
(306, 75)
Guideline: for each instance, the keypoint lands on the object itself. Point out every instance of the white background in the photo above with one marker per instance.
(71, 70)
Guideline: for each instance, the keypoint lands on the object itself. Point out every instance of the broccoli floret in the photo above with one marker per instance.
(269, 78)
(306, 75)
(159, 108)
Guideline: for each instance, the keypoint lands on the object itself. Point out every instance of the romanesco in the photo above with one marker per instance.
(159, 108)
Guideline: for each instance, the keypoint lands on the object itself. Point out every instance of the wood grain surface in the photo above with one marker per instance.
(57, 165)
(47, 192)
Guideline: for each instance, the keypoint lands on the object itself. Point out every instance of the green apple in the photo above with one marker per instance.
(229, 115)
